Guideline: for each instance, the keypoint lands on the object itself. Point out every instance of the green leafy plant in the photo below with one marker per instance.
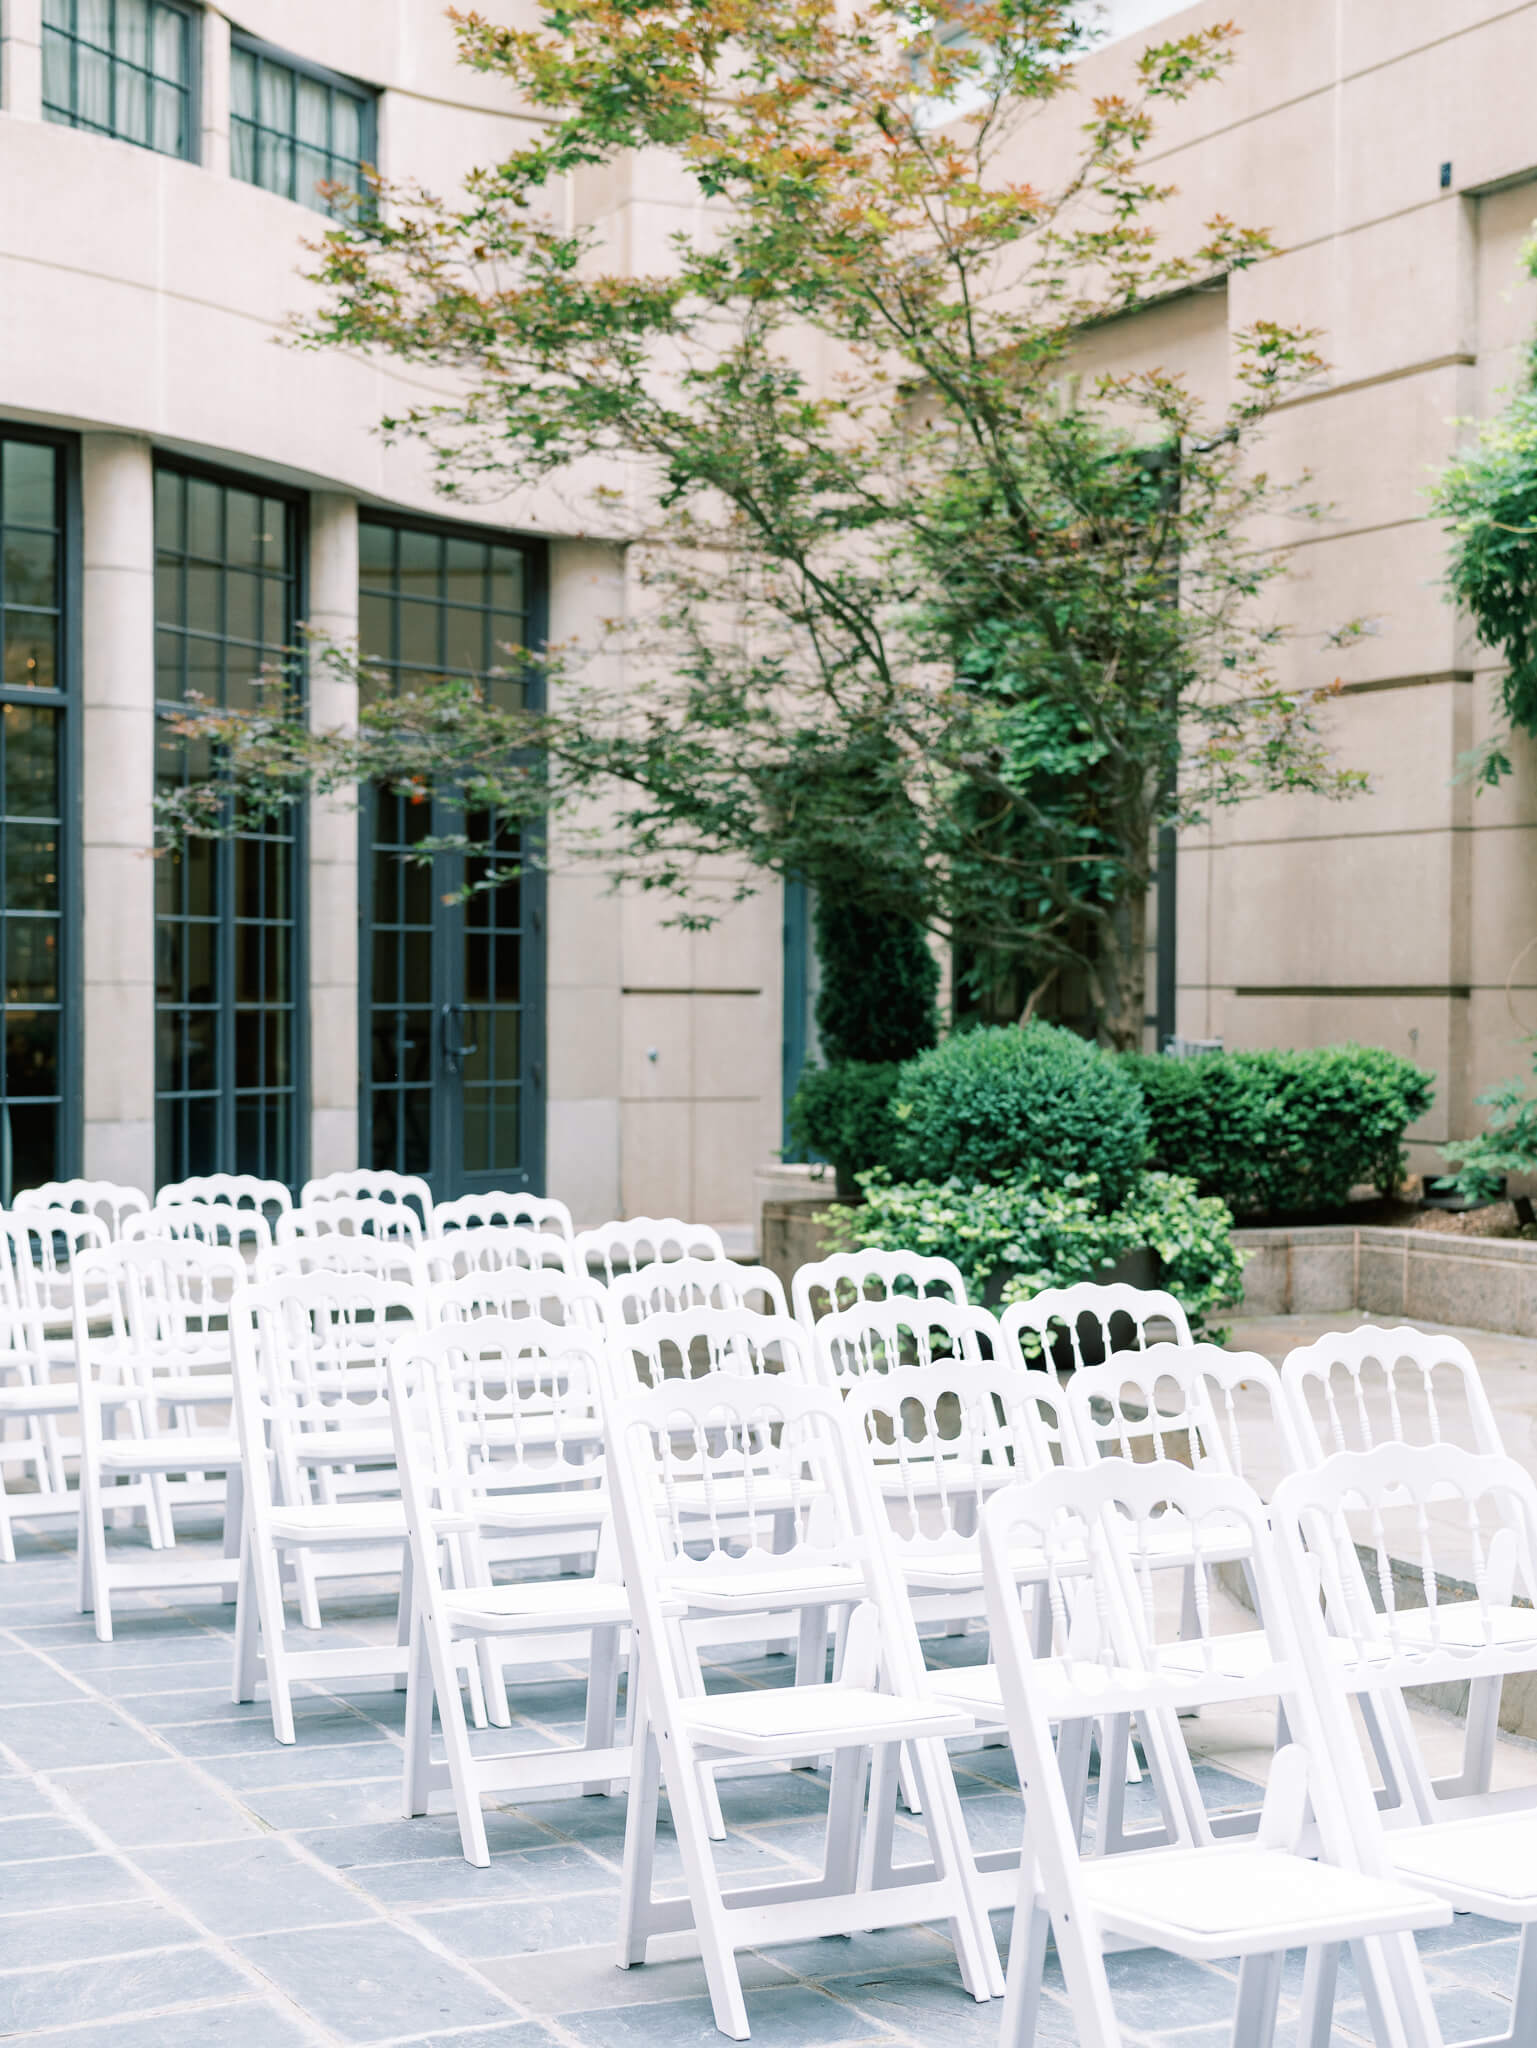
(880, 982)
(1282, 1133)
(843, 1113)
(1030, 1237)
(1027, 1105)
(1506, 1145)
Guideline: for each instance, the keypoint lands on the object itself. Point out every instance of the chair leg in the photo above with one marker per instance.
(1483, 1724)
(268, 1583)
(640, 1820)
(880, 1826)
(707, 1787)
(234, 1519)
(685, 1795)
(462, 1775)
(309, 1593)
(247, 1664)
(1027, 1968)
(94, 1594)
(970, 1929)
(602, 1696)
(845, 1803)
(1259, 1996)
(418, 1728)
(403, 1612)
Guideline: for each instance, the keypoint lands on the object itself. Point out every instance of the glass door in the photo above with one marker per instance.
(452, 979)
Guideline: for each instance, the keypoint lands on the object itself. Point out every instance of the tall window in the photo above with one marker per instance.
(449, 1057)
(226, 953)
(120, 67)
(33, 1142)
(293, 129)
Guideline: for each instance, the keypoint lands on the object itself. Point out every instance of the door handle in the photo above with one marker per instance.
(454, 1048)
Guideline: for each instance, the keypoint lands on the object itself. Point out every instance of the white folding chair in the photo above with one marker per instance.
(492, 1248)
(367, 1184)
(1110, 1654)
(162, 1357)
(234, 1190)
(383, 1258)
(1355, 1389)
(486, 1416)
(1086, 1323)
(350, 1216)
(643, 1241)
(107, 1200)
(33, 1398)
(782, 1434)
(880, 1336)
(548, 1292)
(312, 1408)
(515, 1211)
(846, 1279)
(1377, 1537)
(217, 1223)
(671, 1285)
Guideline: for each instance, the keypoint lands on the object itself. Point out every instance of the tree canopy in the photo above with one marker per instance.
(918, 615)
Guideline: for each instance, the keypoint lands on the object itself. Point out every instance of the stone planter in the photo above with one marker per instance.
(1395, 1276)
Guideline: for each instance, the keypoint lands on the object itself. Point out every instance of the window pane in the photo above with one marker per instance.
(275, 163)
(242, 514)
(311, 123)
(167, 134)
(274, 98)
(31, 760)
(464, 642)
(242, 152)
(242, 84)
(346, 130)
(132, 39)
(421, 556)
(376, 555)
(464, 572)
(374, 626)
(27, 484)
(312, 170)
(419, 635)
(171, 45)
(205, 532)
(132, 122)
(27, 567)
(57, 68)
(93, 22)
(29, 659)
(93, 89)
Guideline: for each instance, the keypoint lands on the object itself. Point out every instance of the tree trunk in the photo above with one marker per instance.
(1122, 975)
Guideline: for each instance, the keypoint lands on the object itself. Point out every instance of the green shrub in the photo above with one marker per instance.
(1506, 1145)
(1030, 1106)
(1282, 1133)
(843, 1114)
(1035, 1237)
(879, 986)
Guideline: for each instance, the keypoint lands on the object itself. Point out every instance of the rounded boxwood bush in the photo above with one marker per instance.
(1029, 1103)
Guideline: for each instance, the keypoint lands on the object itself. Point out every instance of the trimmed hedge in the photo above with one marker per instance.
(1282, 1133)
(843, 1113)
(1031, 1104)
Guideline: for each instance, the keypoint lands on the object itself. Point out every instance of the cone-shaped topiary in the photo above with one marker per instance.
(879, 984)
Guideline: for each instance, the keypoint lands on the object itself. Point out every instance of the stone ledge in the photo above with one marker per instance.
(1405, 1275)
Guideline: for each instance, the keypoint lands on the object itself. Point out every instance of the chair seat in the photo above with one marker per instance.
(354, 1521)
(735, 1496)
(577, 1507)
(537, 1604)
(924, 1475)
(744, 1592)
(1484, 1865)
(792, 1719)
(169, 1454)
(360, 1444)
(1234, 1901)
(948, 1571)
(1464, 1625)
(173, 1390)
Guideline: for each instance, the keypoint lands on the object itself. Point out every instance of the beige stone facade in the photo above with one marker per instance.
(144, 301)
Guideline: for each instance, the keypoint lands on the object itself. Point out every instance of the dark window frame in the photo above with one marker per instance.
(296, 504)
(192, 42)
(534, 550)
(365, 95)
(66, 699)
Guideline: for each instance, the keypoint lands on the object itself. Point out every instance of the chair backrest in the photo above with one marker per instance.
(548, 1292)
(23, 1294)
(1086, 1323)
(1196, 1403)
(1355, 1389)
(1110, 1639)
(350, 1216)
(699, 1341)
(311, 1353)
(506, 1406)
(673, 1284)
(493, 1248)
(208, 1222)
(846, 1279)
(239, 1190)
(941, 1439)
(386, 1258)
(1426, 1559)
(45, 1243)
(367, 1184)
(643, 1241)
(744, 1479)
(878, 1336)
(521, 1212)
(106, 1199)
(165, 1303)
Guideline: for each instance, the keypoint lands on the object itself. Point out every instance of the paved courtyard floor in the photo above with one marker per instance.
(170, 1877)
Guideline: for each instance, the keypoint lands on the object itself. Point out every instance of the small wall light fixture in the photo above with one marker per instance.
(1446, 177)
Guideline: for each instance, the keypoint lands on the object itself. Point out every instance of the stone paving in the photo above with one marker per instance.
(171, 1877)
